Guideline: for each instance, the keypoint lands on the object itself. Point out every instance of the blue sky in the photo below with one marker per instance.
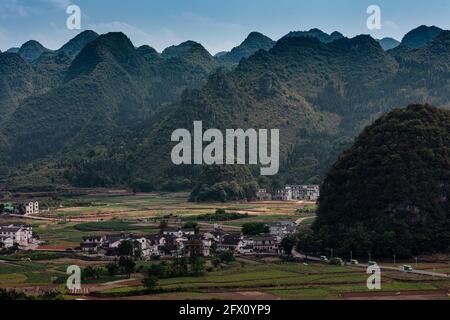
(217, 24)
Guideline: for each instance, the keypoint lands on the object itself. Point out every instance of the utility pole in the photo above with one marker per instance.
(331, 253)
(416, 261)
(394, 260)
(370, 256)
(351, 255)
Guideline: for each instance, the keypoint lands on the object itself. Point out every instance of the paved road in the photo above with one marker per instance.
(302, 256)
(364, 266)
(421, 272)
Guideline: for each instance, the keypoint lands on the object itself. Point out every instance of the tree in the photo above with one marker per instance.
(179, 267)
(158, 270)
(197, 265)
(226, 256)
(288, 243)
(137, 250)
(163, 225)
(125, 248)
(195, 247)
(150, 282)
(91, 273)
(192, 225)
(112, 268)
(306, 242)
(221, 212)
(12, 295)
(254, 228)
(126, 265)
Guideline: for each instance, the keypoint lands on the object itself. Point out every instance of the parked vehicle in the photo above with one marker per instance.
(354, 262)
(406, 268)
(324, 259)
(372, 263)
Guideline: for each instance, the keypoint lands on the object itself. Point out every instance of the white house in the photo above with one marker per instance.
(22, 235)
(299, 192)
(32, 208)
(92, 243)
(6, 242)
(282, 228)
(179, 233)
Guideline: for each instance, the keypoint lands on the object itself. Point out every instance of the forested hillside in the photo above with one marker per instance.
(389, 193)
(102, 114)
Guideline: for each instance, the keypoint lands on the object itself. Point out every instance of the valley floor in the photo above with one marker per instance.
(246, 278)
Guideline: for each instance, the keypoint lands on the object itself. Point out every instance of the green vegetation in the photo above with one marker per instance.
(319, 94)
(114, 225)
(308, 209)
(388, 194)
(253, 43)
(12, 295)
(224, 183)
(254, 228)
(220, 215)
(288, 243)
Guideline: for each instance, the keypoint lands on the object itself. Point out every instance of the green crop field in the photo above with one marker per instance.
(280, 280)
(268, 278)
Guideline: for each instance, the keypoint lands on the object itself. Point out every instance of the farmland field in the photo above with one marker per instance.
(63, 225)
(281, 281)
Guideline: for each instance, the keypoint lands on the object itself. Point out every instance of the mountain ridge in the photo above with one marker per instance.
(106, 117)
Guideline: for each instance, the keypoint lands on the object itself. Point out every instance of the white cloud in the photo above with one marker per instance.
(62, 4)
(25, 8)
(205, 21)
(391, 25)
(164, 38)
(13, 8)
(3, 36)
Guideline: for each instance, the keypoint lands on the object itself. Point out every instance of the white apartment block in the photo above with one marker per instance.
(32, 208)
(299, 192)
(22, 235)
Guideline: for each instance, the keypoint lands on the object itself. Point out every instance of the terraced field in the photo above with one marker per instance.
(284, 281)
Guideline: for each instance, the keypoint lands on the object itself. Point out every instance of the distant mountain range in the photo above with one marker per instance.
(100, 112)
(388, 43)
(253, 43)
(317, 34)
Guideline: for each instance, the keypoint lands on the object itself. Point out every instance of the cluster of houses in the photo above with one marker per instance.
(20, 235)
(26, 209)
(185, 242)
(291, 192)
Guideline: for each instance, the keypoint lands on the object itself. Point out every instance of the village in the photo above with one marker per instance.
(160, 245)
(170, 242)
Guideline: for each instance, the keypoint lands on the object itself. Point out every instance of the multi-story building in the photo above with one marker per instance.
(263, 195)
(282, 228)
(284, 194)
(31, 208)
(179, 232)
(266, 244)
(92, 243)
(299, 192)
(22, 235)
(229, 242)
(305, 192)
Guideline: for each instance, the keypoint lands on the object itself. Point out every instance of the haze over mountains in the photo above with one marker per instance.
(100, 112)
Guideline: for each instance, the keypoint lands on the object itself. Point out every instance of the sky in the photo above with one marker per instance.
(218, 25)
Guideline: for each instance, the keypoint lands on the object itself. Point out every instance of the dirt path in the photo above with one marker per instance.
(299, 221)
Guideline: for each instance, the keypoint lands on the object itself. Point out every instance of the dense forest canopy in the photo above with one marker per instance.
(99, 112)
(390, 192)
